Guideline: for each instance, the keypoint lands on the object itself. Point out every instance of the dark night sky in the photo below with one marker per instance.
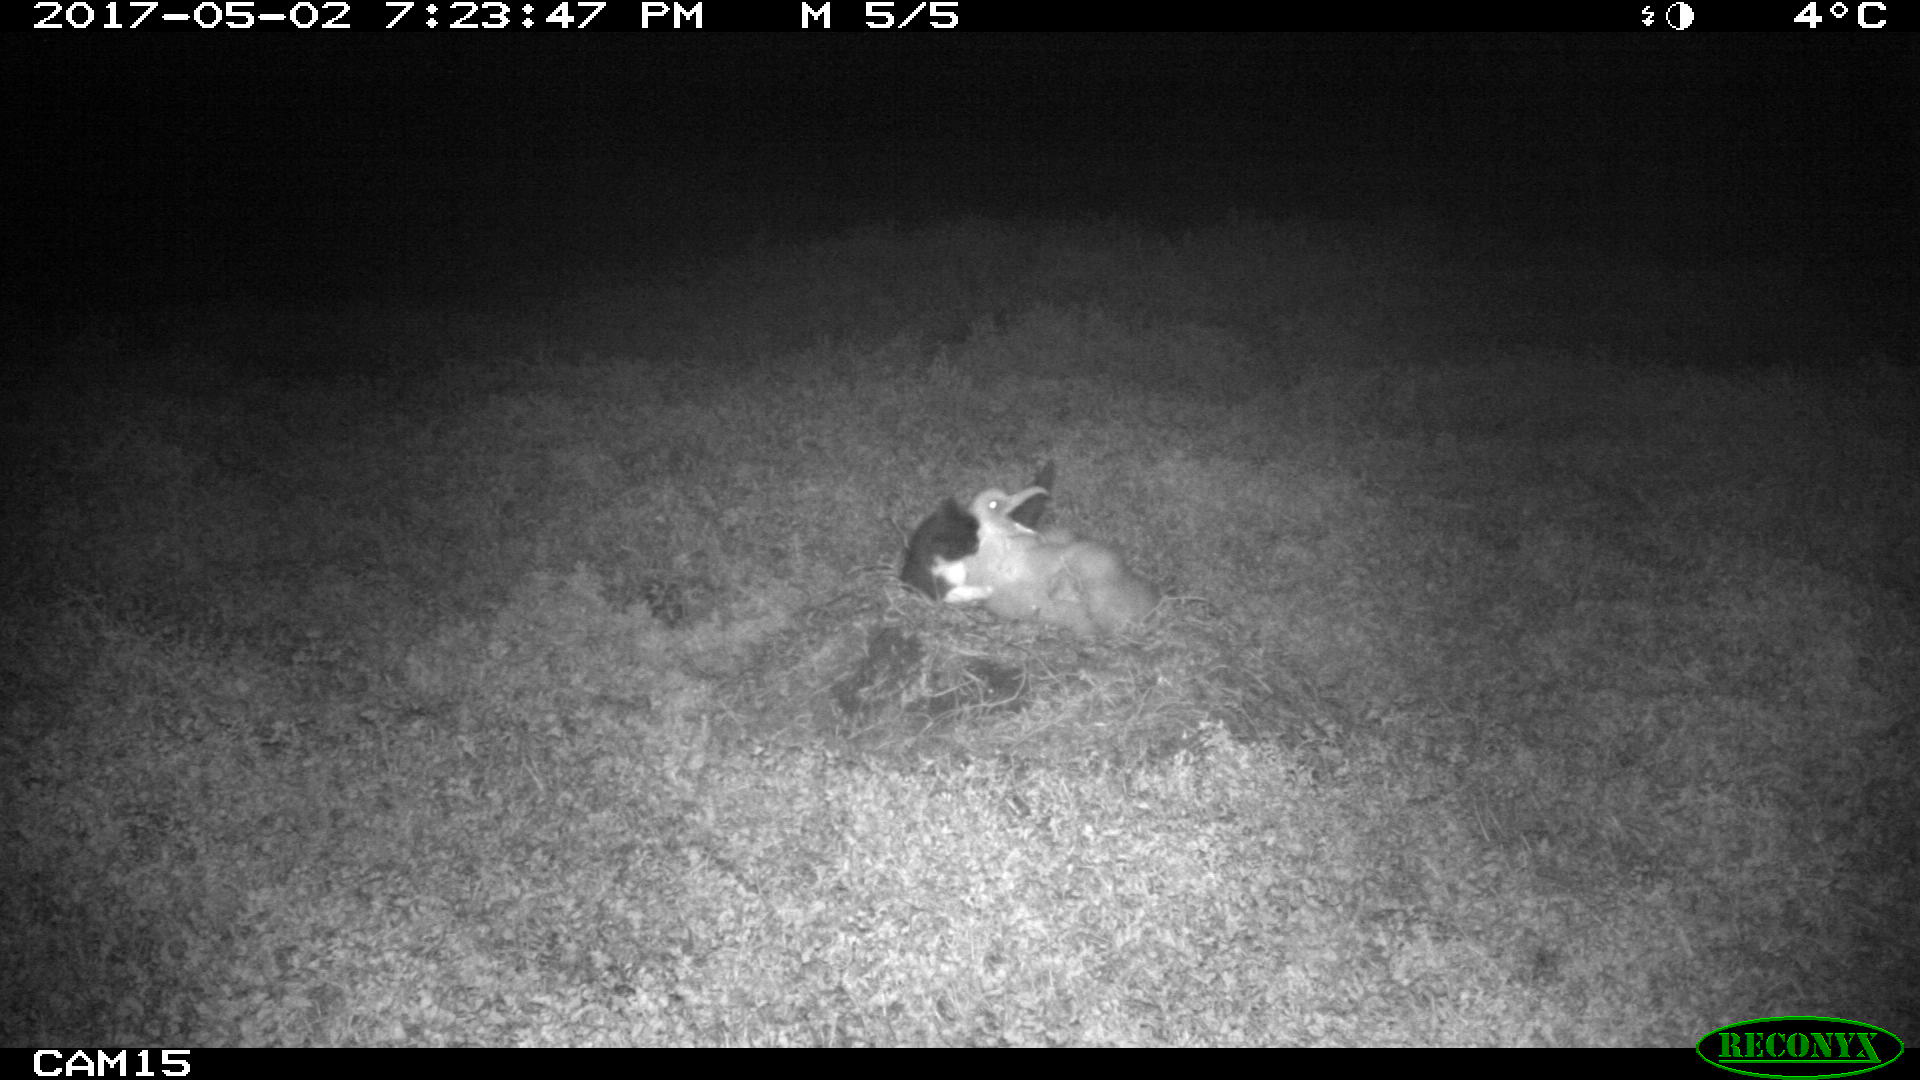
(183, 166)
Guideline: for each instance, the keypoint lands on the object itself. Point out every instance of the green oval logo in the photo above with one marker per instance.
(1800, 1047)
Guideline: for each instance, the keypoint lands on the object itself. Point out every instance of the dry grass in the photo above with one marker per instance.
(1508, 693)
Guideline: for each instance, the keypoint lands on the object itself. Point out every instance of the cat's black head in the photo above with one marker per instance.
(948, 535)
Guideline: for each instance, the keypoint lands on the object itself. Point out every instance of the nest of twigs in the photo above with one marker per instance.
(882, 668)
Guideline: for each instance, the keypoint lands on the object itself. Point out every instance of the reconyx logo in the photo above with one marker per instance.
(1800, 1047)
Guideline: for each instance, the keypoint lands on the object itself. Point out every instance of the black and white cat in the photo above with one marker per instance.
(952, 533)
(994, 552)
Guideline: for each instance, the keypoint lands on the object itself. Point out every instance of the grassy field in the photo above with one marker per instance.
(1539, 664)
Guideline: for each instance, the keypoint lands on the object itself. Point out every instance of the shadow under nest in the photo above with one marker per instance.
(898, 689)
